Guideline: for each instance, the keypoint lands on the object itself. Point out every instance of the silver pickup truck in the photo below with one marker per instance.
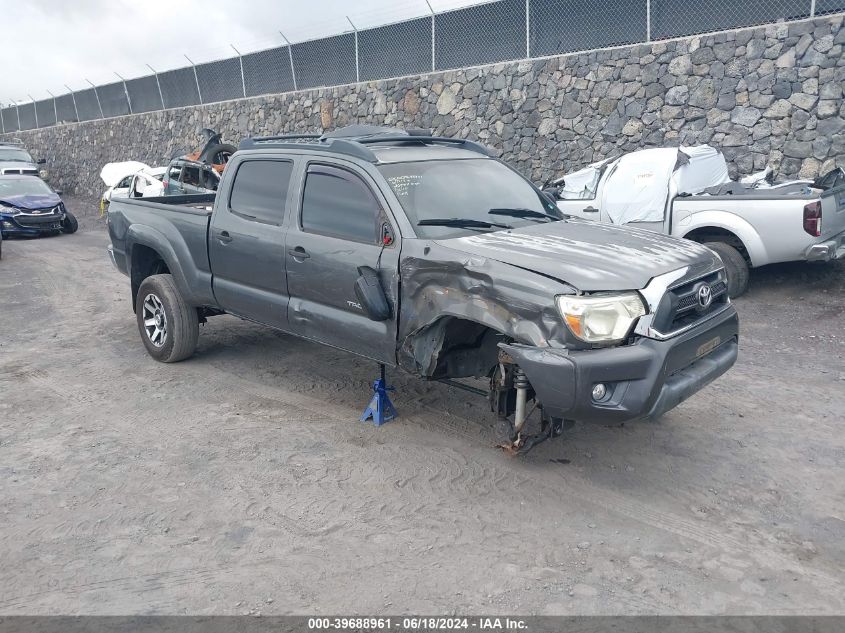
(427, 254)
(686, 192)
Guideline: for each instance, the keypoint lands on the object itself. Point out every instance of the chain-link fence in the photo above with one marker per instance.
(489, 32)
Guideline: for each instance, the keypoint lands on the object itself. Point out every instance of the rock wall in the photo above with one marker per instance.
(766, 95)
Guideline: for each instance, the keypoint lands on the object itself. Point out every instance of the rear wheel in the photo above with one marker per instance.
(736, 267)
(69, 224)
(169, 327)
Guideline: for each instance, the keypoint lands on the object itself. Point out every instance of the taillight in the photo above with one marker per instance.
(813, 218)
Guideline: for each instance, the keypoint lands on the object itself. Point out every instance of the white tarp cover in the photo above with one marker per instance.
(582, 184)
(640, 183)
(112, 173)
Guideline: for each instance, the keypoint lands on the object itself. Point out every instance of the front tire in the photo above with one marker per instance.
(169, 327)
(69, 224)
(736, 267)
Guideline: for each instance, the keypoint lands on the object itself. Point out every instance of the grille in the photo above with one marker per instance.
(687, 309)
(39, 217)
(20, 172)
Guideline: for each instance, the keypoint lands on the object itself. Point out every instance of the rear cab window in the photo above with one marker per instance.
(191, 176)
(211, 180)
(260, 190)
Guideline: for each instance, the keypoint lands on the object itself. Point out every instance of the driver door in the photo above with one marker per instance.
(341, 225)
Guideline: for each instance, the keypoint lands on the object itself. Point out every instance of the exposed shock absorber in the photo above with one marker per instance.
(510, 392)
(521, 384)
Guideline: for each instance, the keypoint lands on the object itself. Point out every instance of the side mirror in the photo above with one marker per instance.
(41, 161)
(371, 295)
(386, 234)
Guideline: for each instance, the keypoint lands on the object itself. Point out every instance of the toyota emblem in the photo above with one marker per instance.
(705, 297)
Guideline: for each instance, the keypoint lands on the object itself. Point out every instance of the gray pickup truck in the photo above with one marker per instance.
(427, 254)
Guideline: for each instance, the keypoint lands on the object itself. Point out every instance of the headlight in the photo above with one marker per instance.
(10, 210)
(601, 318)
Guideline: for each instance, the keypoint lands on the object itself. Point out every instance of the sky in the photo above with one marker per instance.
(50, 43)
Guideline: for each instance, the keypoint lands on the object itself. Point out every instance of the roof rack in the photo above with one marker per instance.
(410, 139)
(357, 145)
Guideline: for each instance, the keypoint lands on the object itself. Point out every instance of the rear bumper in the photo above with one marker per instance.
(643, 380)
(833, 248)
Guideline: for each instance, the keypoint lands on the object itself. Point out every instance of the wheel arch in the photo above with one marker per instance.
(720, 226)
(149, 253)
(452, 346)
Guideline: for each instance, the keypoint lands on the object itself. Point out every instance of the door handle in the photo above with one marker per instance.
(591, 210)
(224, 237)
(298, 253)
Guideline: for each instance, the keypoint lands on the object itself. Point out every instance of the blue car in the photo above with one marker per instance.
(28, 207)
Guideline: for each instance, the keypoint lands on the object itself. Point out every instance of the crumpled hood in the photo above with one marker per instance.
(590, 256)
(31, 201)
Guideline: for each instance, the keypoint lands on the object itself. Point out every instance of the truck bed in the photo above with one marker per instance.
(190, 203)
(177, 223)
(769, 221)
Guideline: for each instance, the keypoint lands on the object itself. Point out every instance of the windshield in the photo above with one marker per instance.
(468, 190)
(8, 155)
(28, 185)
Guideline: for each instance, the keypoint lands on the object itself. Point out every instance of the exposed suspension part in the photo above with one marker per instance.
(510, 395)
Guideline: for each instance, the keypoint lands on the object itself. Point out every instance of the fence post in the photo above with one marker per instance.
(357, 70)
(647, 20)
(812, 8)
(55, 107)
(158, 83)
(35, 110)
(196, 78)
(18, 114)
(2, 120)
(527, 29)
(125, 92)
(73, 96)
(97, 94)
(433, 57)
(241, 60)
(290, 56)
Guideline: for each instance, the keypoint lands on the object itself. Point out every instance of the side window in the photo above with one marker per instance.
(125, 183)
(338, 203)
(191, 176)
(174, 173)
(261, 189)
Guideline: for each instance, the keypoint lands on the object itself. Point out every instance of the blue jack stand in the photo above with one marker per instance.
(380, 409)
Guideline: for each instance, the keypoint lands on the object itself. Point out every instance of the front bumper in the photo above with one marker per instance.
(644, 380)
(31, 225)
(833, 248)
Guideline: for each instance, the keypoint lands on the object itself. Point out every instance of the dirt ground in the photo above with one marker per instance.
(241, 481)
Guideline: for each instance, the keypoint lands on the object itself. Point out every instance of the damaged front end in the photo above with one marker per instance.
(458, 310)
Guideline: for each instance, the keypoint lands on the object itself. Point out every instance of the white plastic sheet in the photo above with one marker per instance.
(582, 184)
(112, 173)
(640, 184)
(706, 168)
